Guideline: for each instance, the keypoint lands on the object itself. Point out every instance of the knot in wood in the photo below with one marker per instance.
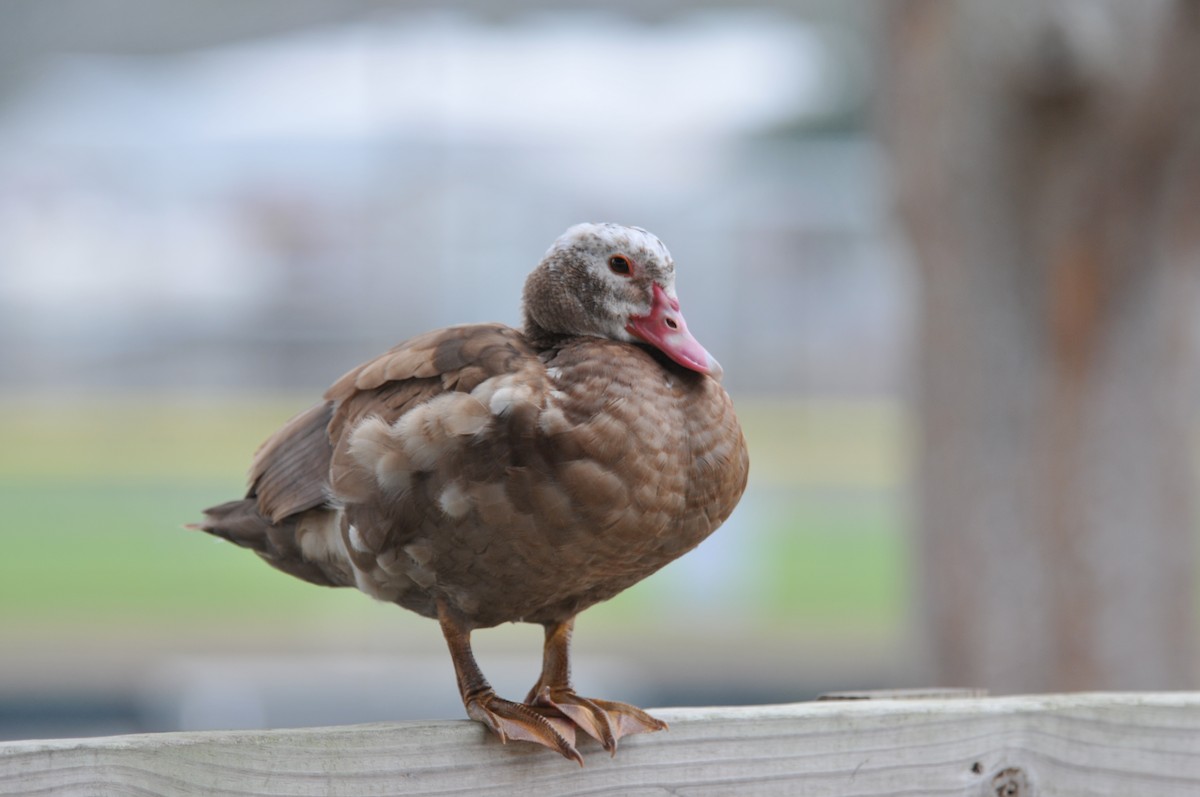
(1010, 782)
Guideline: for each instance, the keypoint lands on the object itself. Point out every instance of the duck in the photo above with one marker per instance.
(482, 474)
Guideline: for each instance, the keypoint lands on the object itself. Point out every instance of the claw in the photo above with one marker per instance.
(604, 720)
(524, 723)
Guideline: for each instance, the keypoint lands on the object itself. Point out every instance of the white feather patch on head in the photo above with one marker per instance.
(608, 236)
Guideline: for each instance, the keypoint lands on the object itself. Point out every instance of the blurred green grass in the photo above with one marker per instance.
(95, 496)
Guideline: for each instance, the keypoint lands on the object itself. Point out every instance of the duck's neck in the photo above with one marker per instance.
(539, 336)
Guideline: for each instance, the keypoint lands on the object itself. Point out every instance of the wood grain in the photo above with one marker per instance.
(1081, 744)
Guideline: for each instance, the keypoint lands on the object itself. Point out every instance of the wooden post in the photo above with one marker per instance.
(1095, 744)
(1047, 164)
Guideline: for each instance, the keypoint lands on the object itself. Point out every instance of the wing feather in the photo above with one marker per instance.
(453, 359)
(291, 471)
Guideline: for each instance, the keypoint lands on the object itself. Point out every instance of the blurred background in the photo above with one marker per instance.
(971, 422)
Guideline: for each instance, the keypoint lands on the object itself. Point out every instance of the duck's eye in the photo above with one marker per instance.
(619, 264)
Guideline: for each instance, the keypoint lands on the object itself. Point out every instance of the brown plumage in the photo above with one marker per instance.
(480, 475)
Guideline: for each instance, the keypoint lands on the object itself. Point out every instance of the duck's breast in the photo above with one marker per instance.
(546, 488)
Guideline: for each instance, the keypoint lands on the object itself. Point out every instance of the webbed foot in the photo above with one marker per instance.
(605, 721)
(527, 723)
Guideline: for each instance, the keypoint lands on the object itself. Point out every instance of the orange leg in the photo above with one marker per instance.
(603, 720)
(508, 720)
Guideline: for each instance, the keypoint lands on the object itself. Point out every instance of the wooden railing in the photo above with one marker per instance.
(1086, 744)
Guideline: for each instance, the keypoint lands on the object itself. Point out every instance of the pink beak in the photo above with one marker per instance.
(664, 329)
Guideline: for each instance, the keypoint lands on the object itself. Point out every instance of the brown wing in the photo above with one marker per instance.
(291, 514)
(453, 359)
(291, 470)
(288, 483)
